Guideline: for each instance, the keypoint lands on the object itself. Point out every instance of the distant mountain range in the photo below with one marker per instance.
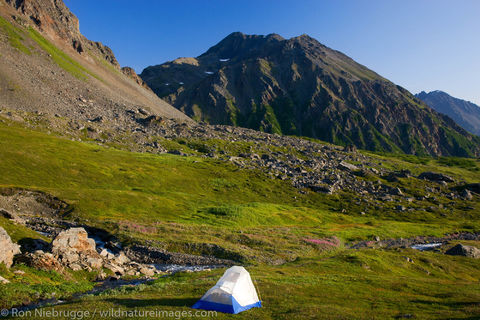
(465, 113)
(300, 87)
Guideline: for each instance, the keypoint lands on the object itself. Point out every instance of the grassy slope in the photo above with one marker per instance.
(180, 200)
(347, 285)
(17, 37)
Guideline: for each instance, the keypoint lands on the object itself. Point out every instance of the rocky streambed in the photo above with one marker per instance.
(75, 249)
(427, 243)
(77, 246)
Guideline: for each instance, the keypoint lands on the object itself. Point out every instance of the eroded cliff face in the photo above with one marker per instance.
(130, 72)
(54, 19)
(48, 67)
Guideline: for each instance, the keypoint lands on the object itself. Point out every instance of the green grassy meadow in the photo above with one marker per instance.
(187, 203)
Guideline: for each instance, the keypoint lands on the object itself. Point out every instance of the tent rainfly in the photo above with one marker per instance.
(233, 293)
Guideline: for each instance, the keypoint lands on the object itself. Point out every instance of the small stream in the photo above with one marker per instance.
(103, 286)
(111, 284)
(426, 246)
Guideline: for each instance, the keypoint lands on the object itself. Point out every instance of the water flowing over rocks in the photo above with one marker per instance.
(73, 249)
(409, 242)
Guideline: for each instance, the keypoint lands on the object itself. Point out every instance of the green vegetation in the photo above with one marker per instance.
(233, 113)
(19, 233)
(458, 143)
(14, 35)
(468, 164)
(60, 57)
(188, 204)
(32, 284)
(361, 284)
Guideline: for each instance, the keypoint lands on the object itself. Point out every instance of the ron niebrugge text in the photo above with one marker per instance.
(52, 313)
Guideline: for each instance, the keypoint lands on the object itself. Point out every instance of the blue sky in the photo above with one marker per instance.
(418, 44)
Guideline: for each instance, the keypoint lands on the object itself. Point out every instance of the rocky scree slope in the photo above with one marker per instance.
(48, 66)
(300, 87)
(309, 166)
(465, 113)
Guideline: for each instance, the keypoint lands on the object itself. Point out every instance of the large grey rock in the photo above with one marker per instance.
(347, 166)
(463, 250)
(467, 195)
(436, 177)
(7, 248)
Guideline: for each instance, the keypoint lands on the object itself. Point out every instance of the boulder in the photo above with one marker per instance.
(350, 148)
(467, 194)
(12, 216)
(3, 280)
(73, 241)
(106, 254)
(94, 263)
(463, 250)
(396, 192)
(116, 269)
(321, 188)
(435, 177)
(391, 177)
(41, 260)
(121, 258)
(347, 166)
(8, 249)
(473, 187)
(148, 271)
(74, 249)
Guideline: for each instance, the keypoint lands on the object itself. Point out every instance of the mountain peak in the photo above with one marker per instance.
(239, 44)
(301, 87)
(274, 36)
(304, 37)
(241, 35)
(235, 35)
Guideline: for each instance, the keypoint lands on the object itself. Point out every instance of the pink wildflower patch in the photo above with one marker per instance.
(333, 241)
(138, 228)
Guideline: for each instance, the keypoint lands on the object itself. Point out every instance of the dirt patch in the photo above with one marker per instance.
(28, 203)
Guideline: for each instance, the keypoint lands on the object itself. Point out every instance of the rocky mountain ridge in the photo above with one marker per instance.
(49, 67)
(300, 87)
(55, 20)
(465, 113)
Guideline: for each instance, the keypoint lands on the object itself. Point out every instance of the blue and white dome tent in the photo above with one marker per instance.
(233, 293)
